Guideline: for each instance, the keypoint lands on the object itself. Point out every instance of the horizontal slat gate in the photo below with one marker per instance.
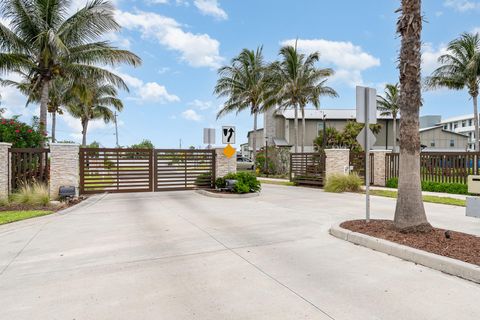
(184, 169)
(307, 168)
(115, 170)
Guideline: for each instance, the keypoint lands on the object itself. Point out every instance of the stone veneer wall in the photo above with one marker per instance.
(64, 167)
(337, 160)
(379, 167)
(224, 165)
(4, 169)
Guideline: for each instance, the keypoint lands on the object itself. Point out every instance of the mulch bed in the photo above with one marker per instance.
(29, 207)
(456, 245)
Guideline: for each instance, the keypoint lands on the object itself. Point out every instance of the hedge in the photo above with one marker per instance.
(442, 187)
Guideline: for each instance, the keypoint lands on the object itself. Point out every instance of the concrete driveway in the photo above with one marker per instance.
(180, 255)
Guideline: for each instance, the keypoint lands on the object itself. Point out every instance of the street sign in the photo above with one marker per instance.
(371, 139)
(229, 151)
(208, 136)
(228, 135)
(366, 104)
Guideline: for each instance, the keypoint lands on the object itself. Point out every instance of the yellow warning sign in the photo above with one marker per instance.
(229, 151)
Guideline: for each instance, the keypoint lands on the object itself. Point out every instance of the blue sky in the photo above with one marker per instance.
(183, 42)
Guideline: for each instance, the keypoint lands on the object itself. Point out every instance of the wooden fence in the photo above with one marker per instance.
(307, 168)
(452, 167)
(357, 161)
(28, 165)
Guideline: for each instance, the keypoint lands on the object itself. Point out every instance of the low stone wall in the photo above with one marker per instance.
(224, 165)
(64, 167)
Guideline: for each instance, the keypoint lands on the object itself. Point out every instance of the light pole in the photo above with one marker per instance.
(324, 140)
(266, 156)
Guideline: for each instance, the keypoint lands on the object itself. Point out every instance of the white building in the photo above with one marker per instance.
(464, 125)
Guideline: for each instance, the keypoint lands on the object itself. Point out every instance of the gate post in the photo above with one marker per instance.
(4, 169)
(379, 166)
(224, 165)
(337, 161)
(64, 167)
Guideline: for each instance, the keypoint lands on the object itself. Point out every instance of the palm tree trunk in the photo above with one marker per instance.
(296, 128)
(410, 213)
(475, 118)
(304, 130)
(84, 132)
(394, 134)
(54, 125)
(254, 141)
(44, 97)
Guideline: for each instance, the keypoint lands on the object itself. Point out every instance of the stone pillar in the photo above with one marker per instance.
(379, 167)
(64, 167)
(224, 165)
(4, 170)
(337, 161)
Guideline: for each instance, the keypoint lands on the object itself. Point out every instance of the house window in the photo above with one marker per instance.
(320, 126)
(445, 127)
(464, 123)
(432, 144)
(455, 126)
(452, 143)
(470, 122)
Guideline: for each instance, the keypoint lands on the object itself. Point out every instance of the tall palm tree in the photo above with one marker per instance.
(410, 213)
(297, 82)
(388, 106)
(245, 84)
(89, 100)
(460, 68)
(42, 43)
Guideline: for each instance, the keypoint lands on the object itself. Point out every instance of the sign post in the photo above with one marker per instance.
(228, 138)
(366, 113)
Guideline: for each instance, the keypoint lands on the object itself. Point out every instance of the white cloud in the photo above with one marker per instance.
(211, 8)
(198, 50)
(347, 59)
(152, 91)
(430, 56)
(192, 115)
(201, 105)
(462, 5)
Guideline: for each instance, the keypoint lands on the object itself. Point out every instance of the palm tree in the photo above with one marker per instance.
(245, 85)
(410, 213)
(388, 106)
(297, 82)
(89, 100)
(460, 68)
(42, 43)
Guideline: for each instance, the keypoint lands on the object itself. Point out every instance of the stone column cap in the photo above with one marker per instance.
(65, 144)
(7, 144)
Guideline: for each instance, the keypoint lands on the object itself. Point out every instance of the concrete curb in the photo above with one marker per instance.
(448, 265)
(227, 196)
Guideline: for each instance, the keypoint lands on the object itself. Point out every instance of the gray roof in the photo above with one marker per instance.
(440, 127)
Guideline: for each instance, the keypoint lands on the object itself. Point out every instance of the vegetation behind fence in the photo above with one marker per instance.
(454, 167)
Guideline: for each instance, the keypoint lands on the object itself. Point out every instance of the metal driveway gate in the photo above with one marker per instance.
(115, 170)
(144, 170)
(308, 168)
(184, 169)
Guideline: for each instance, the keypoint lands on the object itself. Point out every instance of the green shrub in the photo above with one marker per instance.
(246, 182)
(392, 183)
(442, 187)
(338, 183)
(32, 194)
(20, 134)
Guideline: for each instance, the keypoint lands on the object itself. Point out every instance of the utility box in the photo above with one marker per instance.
(474, 184)
(473, 207)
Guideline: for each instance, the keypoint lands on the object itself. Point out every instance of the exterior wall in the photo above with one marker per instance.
(442, 140)
(337, 161)
(269, 125)
(4, 169)
(379, 167)
(64, 167)
(429, 121)
(224, 165)
(260, 139)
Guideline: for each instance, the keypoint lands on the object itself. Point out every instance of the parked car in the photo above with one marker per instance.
(244, 163)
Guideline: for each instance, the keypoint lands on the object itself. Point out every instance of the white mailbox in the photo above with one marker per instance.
(474, 184)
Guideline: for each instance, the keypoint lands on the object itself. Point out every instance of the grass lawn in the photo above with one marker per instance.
(431, 199)
(12, 216)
